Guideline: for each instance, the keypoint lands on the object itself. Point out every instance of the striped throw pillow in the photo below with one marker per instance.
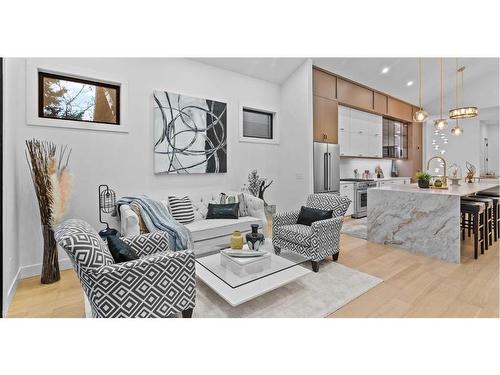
(181, 209)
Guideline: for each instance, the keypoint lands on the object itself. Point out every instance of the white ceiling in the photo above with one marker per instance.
(275, 70)
(481, 77)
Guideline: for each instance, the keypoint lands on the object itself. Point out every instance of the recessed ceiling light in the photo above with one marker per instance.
(385, 70)
(409, 83)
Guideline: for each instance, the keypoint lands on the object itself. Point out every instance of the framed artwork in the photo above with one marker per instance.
(189, 134)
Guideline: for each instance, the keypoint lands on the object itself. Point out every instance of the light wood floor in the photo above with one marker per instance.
(414, 286)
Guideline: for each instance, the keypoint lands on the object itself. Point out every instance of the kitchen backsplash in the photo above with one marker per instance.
(348, 165)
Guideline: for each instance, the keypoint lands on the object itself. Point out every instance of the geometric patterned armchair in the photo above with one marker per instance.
(317, 241)
(161, 283)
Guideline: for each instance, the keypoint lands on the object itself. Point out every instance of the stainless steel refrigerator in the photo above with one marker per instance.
(326, 170)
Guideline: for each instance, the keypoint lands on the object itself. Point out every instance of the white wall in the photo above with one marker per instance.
(10, 250)
(348, 165)
(460, 149)
(125, 160)
(296, 146)
(490, 131)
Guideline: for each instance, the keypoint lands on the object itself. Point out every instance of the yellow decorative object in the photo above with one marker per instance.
(236, 240)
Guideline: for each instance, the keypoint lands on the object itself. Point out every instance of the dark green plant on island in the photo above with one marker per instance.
(423, 179)
(422, 176)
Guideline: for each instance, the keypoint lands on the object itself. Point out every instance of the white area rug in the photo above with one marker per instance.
(356, 228)
(315, 295)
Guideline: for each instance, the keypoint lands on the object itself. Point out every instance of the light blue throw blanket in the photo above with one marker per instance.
(156, 217)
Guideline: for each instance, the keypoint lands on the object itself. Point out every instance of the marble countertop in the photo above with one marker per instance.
(462, 190)
(376, 179)
(391, 178)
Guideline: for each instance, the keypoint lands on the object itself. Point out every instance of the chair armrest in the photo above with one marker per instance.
(148, 243)
(255, 208)
(326, 234)
(158, 285)
(129, 222)
(285, 218)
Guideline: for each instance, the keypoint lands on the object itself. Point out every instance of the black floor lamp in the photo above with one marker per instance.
(107, 202)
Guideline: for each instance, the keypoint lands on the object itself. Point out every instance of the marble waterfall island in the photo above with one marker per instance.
(423, 221)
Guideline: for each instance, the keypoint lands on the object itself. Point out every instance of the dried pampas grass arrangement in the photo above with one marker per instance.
(52, 181)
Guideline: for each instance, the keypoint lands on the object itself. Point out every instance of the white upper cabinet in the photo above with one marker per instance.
(360, 133)
(344, 130)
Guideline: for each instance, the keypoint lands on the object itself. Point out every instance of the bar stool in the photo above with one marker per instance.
(473, 217)
(496, 212)
(488, 202)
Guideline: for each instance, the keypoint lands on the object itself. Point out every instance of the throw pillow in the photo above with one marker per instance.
(223, 211)
(239, 198)
(142, 225)
(120, 251)
(243, 205)
(309, 215)
(181, 209)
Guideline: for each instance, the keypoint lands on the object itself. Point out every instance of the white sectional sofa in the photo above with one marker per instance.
(208, 235)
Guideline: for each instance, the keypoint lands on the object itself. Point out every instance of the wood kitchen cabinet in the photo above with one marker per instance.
(380, 103)
(413, 164)
(324, 85)
(354, 95)
(399, 109)
(325, 120)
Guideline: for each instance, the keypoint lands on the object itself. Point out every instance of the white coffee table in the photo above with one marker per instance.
(240, 287)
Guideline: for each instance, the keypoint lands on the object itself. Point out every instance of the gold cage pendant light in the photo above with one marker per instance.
(441, 123)
(420, 115)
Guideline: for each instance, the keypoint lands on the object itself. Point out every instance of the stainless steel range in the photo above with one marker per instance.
(361, 187)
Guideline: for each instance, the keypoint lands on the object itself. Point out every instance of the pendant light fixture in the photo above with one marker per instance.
(441, 123)
(457, 129)
(420, 115)
(461, 111)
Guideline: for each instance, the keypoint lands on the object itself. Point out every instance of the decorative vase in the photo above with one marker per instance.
(424, 184)
(254, 239)
(236, 240)
(50, 265)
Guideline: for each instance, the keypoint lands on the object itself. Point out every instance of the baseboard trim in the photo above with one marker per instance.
(36, 269)
(10, 293)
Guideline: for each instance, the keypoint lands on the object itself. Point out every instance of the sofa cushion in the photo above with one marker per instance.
(223, 211)
(295, 233)
(309, 215)
(202, 230)
(181, 209)
(83, 244)
(137, 210)
(120, 250)
(200, 202)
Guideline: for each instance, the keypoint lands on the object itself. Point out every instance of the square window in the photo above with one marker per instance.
(67, 98)
(257, 124)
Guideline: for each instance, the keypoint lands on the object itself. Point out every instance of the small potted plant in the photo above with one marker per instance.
(423, 179)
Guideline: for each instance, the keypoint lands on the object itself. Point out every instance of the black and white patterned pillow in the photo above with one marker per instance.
(181, 209)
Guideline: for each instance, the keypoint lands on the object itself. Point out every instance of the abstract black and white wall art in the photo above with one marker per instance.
(189, 134)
